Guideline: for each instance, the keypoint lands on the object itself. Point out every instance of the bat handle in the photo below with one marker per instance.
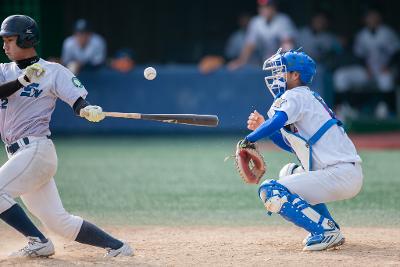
(123, 115)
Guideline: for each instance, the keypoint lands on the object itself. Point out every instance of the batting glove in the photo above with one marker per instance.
(92, 113)
(31, 74)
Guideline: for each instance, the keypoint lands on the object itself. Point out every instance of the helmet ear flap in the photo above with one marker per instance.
(27, 41)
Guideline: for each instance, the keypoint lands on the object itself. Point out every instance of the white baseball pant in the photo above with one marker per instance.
(337, 182)
(29, 174)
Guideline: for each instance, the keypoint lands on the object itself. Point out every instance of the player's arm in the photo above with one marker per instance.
(31, 74)
(269, 127)
(278, 140)
(70, 90)
(256, 119)
(85, 110)
(9, 88)
(80, 104)
(90, 112)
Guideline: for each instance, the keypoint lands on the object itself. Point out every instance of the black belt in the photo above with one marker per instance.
(15, 146)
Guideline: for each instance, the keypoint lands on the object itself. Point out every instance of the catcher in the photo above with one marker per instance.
(301, 123)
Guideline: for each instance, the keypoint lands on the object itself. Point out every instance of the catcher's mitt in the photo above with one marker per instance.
(249, 162)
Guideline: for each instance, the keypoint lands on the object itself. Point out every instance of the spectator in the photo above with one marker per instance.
(316, 39)
(376, 43)
(236, 40)
(84, 49)
(348, 70)
(375, 46)
(123, 60)
(322, 45)
(266, 32)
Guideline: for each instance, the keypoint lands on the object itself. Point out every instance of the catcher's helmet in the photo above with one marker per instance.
(281, 63)
(22, 26)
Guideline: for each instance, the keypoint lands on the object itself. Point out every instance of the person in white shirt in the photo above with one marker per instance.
(301, 123)
(29, 89)
(375, 44)
(83, 49)
(266, 32)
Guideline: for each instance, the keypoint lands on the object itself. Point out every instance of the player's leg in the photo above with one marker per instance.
(293, 168)
(12, 214)
(45, 203)
(18, 176)
(292, 195)
(278, 199)
(338, 182)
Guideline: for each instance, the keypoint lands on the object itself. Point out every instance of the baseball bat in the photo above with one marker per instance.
(189, 119)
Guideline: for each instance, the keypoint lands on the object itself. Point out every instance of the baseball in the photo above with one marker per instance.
(150, 73)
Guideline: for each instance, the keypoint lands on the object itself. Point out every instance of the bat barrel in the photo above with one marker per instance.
(190, 119)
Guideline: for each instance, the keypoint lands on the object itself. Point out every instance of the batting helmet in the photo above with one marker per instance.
(22, 26)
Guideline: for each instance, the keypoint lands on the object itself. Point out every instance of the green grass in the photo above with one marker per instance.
(184, 180)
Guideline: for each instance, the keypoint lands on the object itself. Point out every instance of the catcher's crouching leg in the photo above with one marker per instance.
(278, 199)
(293, 168)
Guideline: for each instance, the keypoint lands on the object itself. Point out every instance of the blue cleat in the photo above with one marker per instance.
(327, 240)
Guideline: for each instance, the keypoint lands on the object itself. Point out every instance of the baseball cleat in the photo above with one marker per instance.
(330, 239)
(305, 240)
(35, 248)
(125, 250)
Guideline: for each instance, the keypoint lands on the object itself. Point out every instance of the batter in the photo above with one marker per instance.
(29, 88)
(300, 122)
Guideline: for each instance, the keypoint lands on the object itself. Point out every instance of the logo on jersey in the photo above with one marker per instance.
(31, 91)
(77, 82)
(278, 103)
(3, 103)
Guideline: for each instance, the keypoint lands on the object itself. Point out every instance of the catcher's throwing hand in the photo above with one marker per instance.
(255, 120)
(92, 113)
(249, 162)
(31, 74)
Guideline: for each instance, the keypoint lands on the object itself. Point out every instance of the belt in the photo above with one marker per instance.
(14, 147)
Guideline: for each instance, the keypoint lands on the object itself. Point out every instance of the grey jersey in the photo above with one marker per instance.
(28, 111)
(93, 53)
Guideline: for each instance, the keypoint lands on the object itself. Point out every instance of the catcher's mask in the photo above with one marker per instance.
(279, 64)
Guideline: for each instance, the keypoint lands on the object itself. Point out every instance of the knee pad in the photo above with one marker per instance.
(278, 199)
(6, 202)
(289, 169)
(273, 195)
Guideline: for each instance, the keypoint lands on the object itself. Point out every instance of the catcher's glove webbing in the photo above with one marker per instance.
(249, 162)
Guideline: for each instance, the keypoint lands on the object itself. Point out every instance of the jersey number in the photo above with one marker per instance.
(31, 91)
(4, 102)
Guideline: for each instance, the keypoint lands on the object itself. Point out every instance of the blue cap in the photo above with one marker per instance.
(81, 25)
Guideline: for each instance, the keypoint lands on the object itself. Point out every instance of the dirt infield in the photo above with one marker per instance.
(219, 246)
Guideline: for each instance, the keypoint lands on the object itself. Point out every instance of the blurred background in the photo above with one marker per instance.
(209, 54)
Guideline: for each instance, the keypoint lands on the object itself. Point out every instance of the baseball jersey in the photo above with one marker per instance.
(28, 111)
(267, 36)
(306, 115)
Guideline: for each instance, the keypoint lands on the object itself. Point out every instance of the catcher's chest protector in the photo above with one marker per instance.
(303, 147)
